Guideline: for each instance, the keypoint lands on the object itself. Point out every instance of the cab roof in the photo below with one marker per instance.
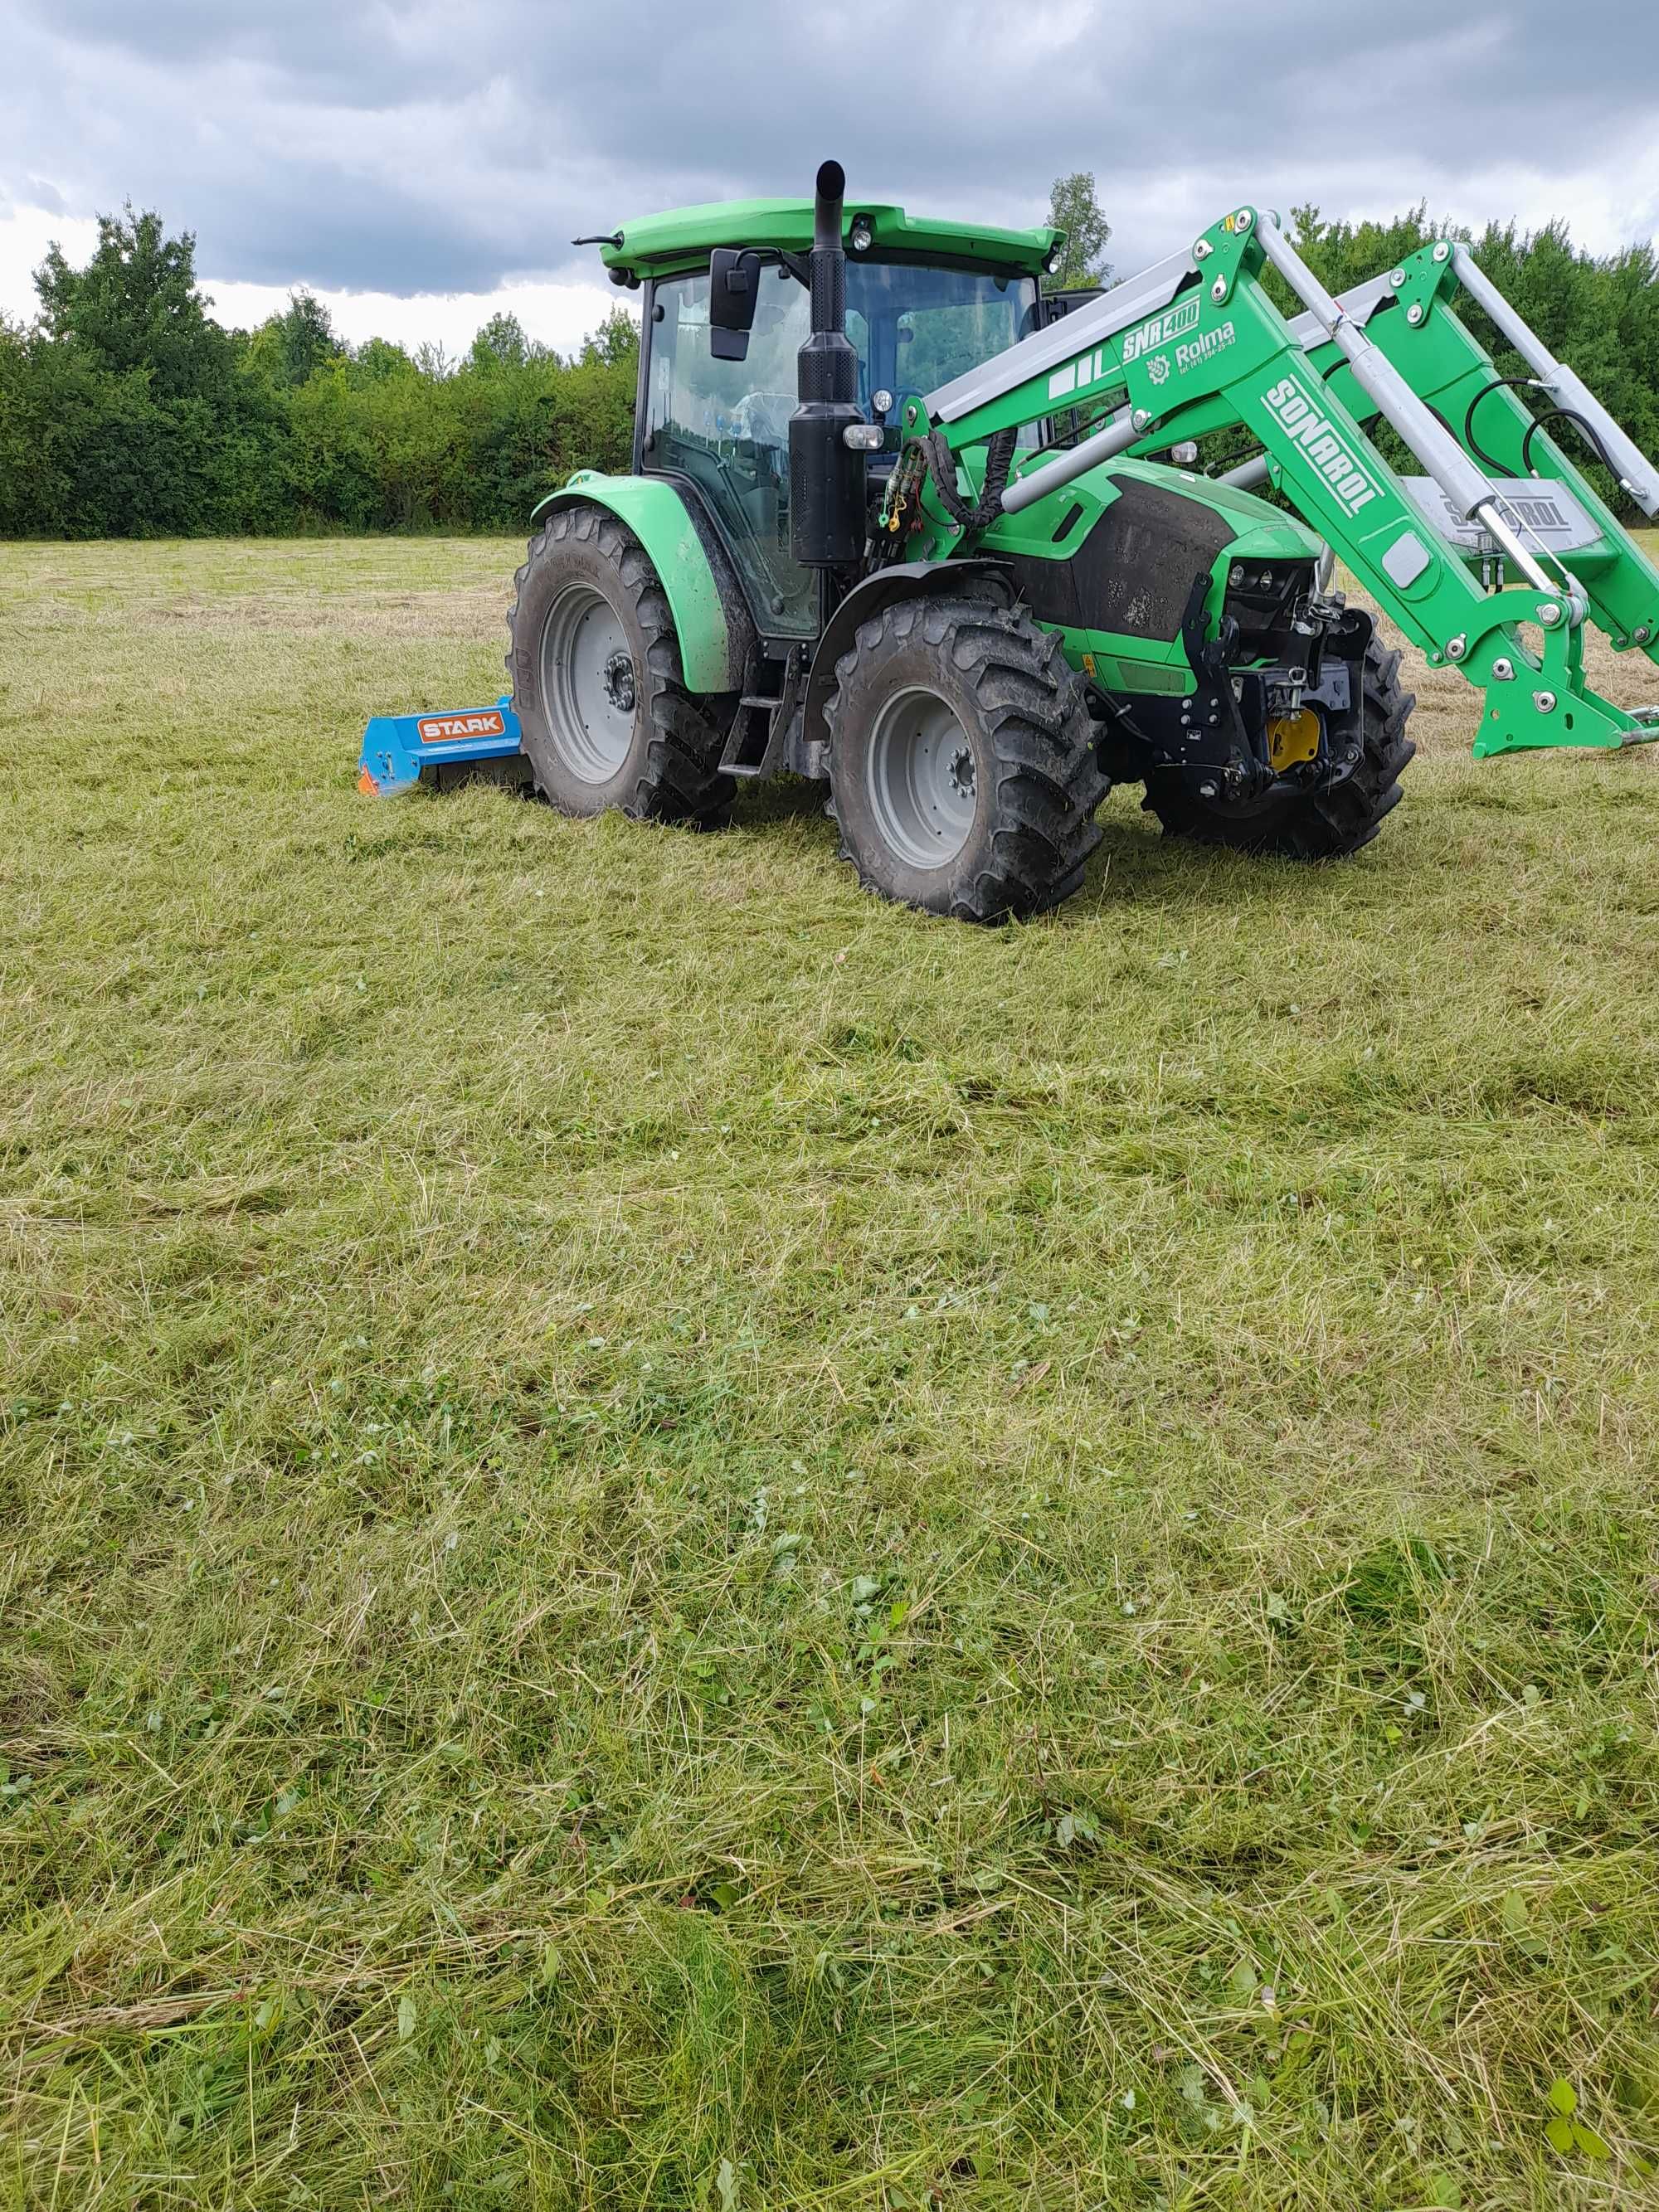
(655, 243)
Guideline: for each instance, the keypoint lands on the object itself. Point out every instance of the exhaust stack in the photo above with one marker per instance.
(828, 499)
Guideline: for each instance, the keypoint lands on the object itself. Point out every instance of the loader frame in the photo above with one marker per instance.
(1195, 346)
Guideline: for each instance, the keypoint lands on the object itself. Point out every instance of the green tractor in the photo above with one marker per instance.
(894, 524)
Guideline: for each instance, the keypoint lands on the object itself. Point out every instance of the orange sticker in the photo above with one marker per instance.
(457, 729)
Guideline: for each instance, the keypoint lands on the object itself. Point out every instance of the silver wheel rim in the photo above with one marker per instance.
(921, 778)
(589, 688)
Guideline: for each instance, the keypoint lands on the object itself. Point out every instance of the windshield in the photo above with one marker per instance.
(725, 423)
(916, 329)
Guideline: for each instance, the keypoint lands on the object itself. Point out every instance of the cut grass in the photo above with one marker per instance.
(674, 1538)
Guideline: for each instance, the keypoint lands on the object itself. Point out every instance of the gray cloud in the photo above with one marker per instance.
(408, 146)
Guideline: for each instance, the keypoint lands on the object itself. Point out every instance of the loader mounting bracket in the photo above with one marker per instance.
(1214, 706)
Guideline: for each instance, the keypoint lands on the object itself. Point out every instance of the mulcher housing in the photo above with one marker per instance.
(908, 532)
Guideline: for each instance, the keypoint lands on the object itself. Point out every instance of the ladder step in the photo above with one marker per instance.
(758, 728)
(745, 738)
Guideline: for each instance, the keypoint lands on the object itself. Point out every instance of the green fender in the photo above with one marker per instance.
(712, 648)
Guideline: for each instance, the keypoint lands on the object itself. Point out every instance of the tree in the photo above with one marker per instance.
(376, 359)
(501, 343)
(1073, 209)
(144, 426)
(136, 305)
(616, 341)
(291, 346)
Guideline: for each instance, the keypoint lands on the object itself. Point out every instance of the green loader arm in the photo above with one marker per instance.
(1196, 346)
(1410, 316)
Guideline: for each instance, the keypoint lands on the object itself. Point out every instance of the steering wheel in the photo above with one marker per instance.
(765, 411)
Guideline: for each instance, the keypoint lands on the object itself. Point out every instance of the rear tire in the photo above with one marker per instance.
(595, 663)
(963, 768)
(1315, 824)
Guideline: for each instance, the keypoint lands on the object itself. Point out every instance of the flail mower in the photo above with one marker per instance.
(897, 523)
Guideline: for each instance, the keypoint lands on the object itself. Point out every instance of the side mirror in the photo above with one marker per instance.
(734, 274)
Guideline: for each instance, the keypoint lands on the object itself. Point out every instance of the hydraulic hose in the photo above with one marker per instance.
(1567, 415)
(1586, 430)
(942, 467)
(1498, 384)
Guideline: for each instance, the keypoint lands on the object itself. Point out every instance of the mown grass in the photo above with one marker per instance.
(675, 1540)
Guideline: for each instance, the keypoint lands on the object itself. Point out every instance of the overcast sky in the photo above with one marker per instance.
(420, 165)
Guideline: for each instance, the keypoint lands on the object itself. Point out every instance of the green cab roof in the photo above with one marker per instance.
(687, 235)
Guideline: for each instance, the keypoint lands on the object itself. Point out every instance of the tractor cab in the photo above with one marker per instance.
(925, 303)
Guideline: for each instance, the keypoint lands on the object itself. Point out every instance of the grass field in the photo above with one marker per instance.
(671, 1539)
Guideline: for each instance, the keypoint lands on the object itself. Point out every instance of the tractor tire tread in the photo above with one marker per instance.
(679, 779)
(1034, 710)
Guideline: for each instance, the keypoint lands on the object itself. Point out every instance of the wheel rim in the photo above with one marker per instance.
(588, 685)
(921, 778)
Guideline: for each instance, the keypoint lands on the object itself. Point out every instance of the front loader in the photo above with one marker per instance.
(895, 523)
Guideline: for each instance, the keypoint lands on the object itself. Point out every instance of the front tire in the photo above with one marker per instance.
(595, 663)
(1327, 821)
(962, 767)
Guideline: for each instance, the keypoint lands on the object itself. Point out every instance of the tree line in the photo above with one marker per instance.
(126, 410)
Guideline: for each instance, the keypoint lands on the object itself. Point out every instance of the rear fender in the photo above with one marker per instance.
(711, 618)
(906, 579)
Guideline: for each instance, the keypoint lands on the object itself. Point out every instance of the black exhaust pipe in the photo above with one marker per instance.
(827, 481)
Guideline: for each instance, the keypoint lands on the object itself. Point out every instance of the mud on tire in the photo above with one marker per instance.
(1317, 824)
(963, 768)
(594, 666)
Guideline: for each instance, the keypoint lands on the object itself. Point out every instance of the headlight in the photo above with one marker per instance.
(1052, 258)
(862, 236)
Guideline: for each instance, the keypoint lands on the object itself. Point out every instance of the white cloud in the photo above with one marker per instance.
(559, 315)
(448, 151)
(25, 235)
